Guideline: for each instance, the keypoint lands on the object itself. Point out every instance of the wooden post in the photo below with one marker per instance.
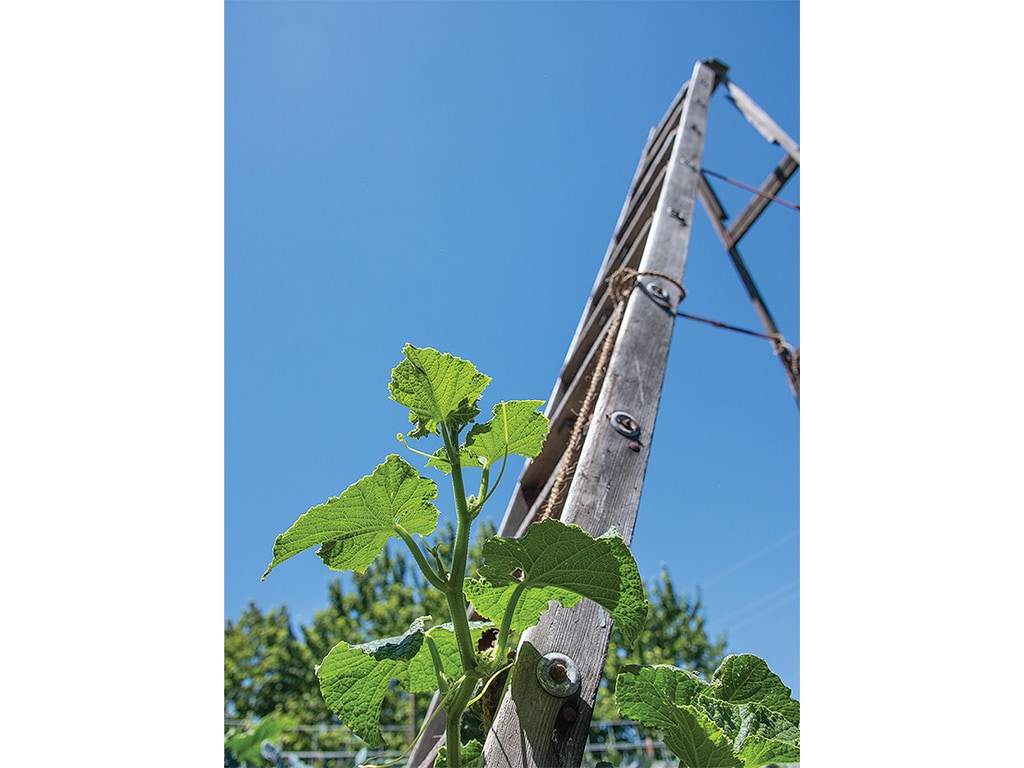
(532, 727)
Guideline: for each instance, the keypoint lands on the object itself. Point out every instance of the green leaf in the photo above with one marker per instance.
(516, 428)
(758, 751)
(559, 562)
(354, 678)
(246, 744)
(649, 694)
(749, 722)
(353, 528)
(421, 677)
(437, 389)
(745, 703)
(746, 678)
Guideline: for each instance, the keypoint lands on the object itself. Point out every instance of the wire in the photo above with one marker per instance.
(755, 190)
(719, 324)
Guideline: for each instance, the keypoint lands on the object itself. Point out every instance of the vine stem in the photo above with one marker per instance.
(454, 588)
(429, 572)
(506, 620)
(453, 718)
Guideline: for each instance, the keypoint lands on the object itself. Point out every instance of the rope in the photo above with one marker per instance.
(620, 285)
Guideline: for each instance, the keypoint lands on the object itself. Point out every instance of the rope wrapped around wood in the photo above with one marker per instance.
(620, 285)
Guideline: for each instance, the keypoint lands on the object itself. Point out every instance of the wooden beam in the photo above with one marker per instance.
(532, 727)
(790, 359)
(771, 186)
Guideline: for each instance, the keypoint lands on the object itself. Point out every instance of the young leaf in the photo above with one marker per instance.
(437, 389)
(353, 528)
(555, 561)
(354, 678)
(650, 695)
(516, 427)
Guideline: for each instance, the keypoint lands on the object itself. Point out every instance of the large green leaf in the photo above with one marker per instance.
(437, 389)
(746, 678)
(757, 751)
(354, 678)
(649, 694)
(745, 703)
(750, 722)
(516, 428)
(555, 561)
(353, 528)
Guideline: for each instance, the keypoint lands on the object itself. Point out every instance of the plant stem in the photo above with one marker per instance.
(429, 573)
(454, 589)
(442, 686)
(453, 718)
(506, 622)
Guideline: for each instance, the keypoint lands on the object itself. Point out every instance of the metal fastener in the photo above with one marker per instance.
(658, 294)
(626, 425)
(677, 214)
(558, 675)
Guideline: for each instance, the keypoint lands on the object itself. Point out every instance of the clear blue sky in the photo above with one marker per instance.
(449, 174)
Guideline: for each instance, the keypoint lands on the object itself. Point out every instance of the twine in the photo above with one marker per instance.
(620, 284)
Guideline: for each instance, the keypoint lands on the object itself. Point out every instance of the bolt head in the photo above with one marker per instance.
(558, 675)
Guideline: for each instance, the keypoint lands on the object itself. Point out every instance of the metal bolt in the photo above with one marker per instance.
(634, 446)
(569, 714)
(558, 675)
(626, 425)
(658, 294)
(676, 213)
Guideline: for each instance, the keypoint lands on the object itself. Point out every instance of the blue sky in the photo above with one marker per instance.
(449, 174)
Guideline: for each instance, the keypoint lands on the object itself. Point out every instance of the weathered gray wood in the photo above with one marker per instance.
(530, 728)
(760, 119)
(713, 207)
(771, 186)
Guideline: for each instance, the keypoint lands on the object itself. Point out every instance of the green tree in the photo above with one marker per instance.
(266, 667)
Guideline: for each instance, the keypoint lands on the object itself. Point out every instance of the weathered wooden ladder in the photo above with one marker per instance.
(602, 412)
